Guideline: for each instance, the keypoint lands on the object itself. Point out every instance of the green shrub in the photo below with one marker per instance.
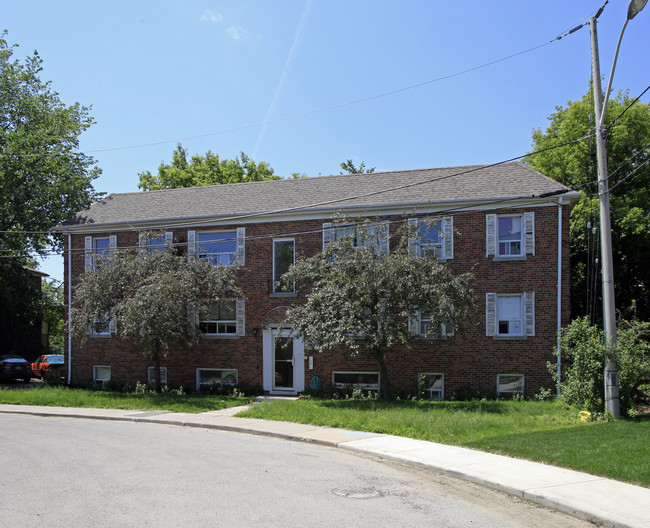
(583, 353)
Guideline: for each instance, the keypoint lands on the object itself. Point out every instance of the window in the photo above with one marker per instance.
(434, 239)
(433, 386)
(97, 250)
(509, 236)
(104, 326)
(356, 380)
(360, 235)
(283, 259)
(156, 241)
(510, 383)
(222, 248)
(509, 315)
(152, 374)
(423, 326)
(208, 377)
(101, 374)
(220, 319)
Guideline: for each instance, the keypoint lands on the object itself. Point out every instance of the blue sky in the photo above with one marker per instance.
(208, 73)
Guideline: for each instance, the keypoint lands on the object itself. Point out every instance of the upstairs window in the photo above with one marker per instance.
(156, 242)
(363, 235)
(510, 236)
(222, 248)
(434, 239)
(283, 259)
(98, 250)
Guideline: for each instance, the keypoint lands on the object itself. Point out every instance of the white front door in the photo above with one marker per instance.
(284, 362)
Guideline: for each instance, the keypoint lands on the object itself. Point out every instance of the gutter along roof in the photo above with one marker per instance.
(320, 197)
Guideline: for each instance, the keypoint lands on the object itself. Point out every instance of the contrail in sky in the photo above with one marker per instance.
(287, 66)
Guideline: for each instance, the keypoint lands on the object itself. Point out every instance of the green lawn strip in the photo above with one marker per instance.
(541, 431)
(65, 397)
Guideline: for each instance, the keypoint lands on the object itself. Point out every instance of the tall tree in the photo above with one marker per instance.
(362, 298)
(150, 296)
(349, 167)
(204, 170)
(628, 150)
(44, 180)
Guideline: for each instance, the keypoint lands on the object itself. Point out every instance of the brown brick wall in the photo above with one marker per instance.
(473, 360)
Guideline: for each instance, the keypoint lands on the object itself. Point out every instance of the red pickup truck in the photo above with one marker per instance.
(49, 363)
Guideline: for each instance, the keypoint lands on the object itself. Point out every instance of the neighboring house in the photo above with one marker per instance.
(507, 223)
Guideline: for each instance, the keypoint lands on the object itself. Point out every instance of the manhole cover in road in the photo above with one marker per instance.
(357, 493)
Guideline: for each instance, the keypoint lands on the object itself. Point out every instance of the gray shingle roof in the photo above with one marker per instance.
(327, 193)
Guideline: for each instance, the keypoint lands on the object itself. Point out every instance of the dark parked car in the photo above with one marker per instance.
(49, 364)
(15, 367)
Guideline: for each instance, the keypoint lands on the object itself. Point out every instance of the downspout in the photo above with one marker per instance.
(69, 308)
(559, 291)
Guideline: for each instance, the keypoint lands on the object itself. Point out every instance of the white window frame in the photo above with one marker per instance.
(222, 370)
(339, 385)
(219, 322)
(166, 240)
(277, 280)
(151, 375)
(381, 229)
(526, 318)
(97, 379)
(520, 319)
(92, 255)
(510, 391)
(510, 243)
(238, 257)
(526, 240)
(444, 249)
(440, 391)
(415, 327)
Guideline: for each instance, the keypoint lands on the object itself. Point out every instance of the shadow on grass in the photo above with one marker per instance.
(489, 407)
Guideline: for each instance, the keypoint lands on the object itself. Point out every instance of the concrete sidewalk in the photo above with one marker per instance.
(596, 499)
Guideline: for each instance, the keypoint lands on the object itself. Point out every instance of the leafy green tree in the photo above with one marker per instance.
(628, 142)
(362, 298)
(204, 170)
(151, 297)
(44, 180)
(583, 350)
(349, 167)
(53, 312)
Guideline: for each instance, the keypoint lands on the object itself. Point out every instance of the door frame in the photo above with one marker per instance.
(268, 356)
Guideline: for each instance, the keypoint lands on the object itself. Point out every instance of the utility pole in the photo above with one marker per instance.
(609, 310)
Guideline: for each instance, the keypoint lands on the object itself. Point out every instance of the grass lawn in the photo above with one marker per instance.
(65, 397)
(542, 431)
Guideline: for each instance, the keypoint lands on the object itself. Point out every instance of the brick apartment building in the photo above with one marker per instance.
(507, 223)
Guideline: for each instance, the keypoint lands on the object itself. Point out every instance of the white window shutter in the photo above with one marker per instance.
(414, 246)
(448, 228)
(491, 235)
(384, 237)
(529, 236)
(327, 234)
(112, 242)
(414, 325)
(191, 243)
(141, 240)
(445, 332)
(193, 314)
(240, 253)
(490, 314)
(241, 316)
(169, 239)
(529, 313)
(88, 263)
(112, 327)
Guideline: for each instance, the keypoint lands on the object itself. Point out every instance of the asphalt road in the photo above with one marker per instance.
(72, 472)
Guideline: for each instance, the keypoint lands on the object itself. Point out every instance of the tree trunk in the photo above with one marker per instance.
(383, 375)
(156, 364)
